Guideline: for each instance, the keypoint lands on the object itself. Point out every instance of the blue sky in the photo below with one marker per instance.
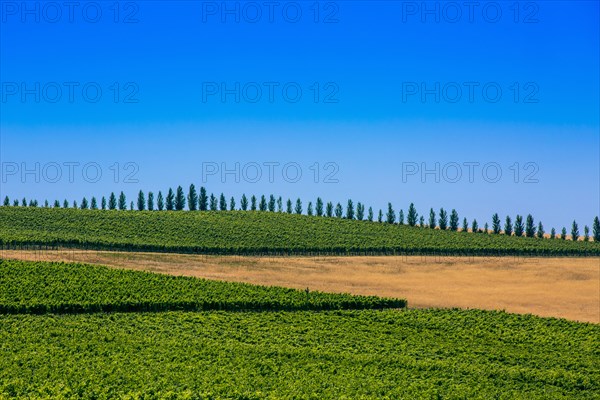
(366, 90)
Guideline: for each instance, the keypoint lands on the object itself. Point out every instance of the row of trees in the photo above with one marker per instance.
(177, 200)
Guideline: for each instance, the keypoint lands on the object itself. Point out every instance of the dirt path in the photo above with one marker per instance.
(556, 287)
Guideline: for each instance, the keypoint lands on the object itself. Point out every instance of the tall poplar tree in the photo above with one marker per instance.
(412, 216)
(170, 201)
(350, 210)
(160, 201)
(150, 201)
(141, 201)
(122, 201)
(454, 220)
(329, 209)
(339, 212)
(223, 203)
(319, 207)
(508, 226)
(192, 198)
(203, 199)
(390, 217)
(443, 220)
(519, 229)
(496, 224)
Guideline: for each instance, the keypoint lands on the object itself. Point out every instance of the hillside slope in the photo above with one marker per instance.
(83, 351)
(254, 232)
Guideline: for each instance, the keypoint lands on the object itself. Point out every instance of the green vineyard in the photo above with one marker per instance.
(37, 288)
(255, 232)
(48, 351)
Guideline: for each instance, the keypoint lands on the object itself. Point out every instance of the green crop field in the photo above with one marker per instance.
(301, 354)
(35, 287)
(248, 232)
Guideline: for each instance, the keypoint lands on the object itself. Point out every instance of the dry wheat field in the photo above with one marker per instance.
(550, 287)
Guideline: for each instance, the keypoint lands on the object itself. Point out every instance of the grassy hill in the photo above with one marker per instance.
(255, 232)
(367, 354)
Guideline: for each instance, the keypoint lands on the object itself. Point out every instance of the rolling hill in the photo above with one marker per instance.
(255, 232)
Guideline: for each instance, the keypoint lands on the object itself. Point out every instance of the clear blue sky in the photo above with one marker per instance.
(384, 88)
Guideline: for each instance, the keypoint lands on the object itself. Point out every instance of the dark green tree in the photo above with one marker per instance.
(289, 206)
(380, 216)
(94, 205)
(319, 207)
(412, 216)
(486, 228)
(66, 204)
(309, 210)
(75, 204)
(390, 217)
(443, 220)
(141, 201)
(262, 206)
(329, 210)
(160, 201)
(170, 202)
(150, 201)
(214, 203)
(223, 202)
(453, 220)
(421, 221)
(574, 231)
(45, 203)
(15, 203)
(131, 206)
(370, 214)
(350, 210)
(57, 203)
(24, 202)
(529, 227)
(586, 233)
(244, 202)
(432, 222)
(279, 204)
(272, 203)
(112, 201)
(596, 229)
(6, 202)
(84, 204)
(232, 204)
(553, 233)
(496, 228)
(192, 198)
(475, 226)
(401, 217)
(298, 208)
(339, 212)
(519, 228)
(563, 233)
(179, 199)
(253, 203)
(203, 199)
(122, 201)
(360, 211)
(508, 227)
(540, 230)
